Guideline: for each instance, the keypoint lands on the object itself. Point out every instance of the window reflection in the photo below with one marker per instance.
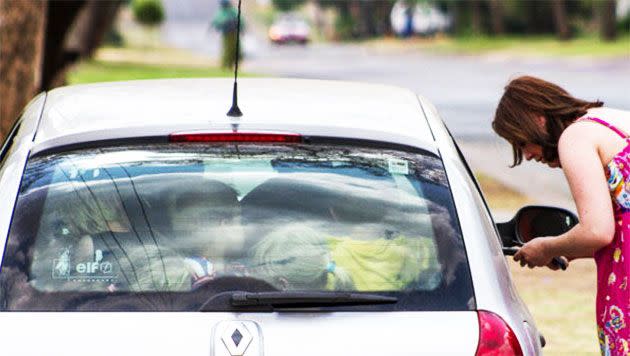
(174, 218)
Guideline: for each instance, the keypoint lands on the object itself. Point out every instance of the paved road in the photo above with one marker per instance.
(465, 89)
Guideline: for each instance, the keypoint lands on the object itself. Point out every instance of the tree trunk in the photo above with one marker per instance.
(358, 22)
(607, 19)
(383, 23)
(22, 24)
(457, 10)
(92, 23)
(537, 16)
(476, 17)
(318, 18)
(367, 16)
(496, 17)
(61, 15)
(530, 8)
(84, 35)
(560, 20)
(34, 46)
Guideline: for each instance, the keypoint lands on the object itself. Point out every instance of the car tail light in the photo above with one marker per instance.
(236, 137)
(496, 338)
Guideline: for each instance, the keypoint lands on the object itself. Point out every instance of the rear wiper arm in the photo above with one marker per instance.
(307, 299)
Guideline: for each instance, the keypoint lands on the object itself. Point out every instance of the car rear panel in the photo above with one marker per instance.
(277, 334)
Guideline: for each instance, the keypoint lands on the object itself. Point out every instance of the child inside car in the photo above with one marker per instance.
(298, 257)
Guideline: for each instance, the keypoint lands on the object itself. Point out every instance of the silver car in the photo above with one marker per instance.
(332, 218)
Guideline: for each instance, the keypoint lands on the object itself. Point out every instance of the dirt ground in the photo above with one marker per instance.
(562, 302)
(563, 305)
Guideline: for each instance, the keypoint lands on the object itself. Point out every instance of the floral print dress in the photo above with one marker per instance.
(613, 263)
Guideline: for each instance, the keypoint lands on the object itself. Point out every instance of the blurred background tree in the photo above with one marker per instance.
(287, 5)
(148, 12)
(360, 18)
(565, 19)
(607, 16)
(41, 39)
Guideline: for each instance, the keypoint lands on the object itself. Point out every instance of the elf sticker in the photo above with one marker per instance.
(96, 269)
(61, 266)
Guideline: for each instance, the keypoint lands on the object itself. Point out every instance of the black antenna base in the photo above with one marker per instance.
(235, 112)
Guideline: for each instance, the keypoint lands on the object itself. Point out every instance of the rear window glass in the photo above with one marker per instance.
(167, 226)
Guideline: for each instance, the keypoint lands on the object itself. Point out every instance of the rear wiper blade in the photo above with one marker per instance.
(307, 299)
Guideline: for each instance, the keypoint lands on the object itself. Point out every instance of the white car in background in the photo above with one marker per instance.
(332, 218)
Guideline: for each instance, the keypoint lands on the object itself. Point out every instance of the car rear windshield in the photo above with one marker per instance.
(164, 227)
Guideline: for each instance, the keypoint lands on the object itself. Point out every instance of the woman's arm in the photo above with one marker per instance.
(584, 172)
(582, 166)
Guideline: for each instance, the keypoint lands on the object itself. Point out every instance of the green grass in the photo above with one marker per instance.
(543, 46)
(546, 45)
(103, 71)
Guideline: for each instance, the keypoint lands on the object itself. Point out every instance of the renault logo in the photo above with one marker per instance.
(237, 338)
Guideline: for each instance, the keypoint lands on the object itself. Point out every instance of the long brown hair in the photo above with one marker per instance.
(526, 99)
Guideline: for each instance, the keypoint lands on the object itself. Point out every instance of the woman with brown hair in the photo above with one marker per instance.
(589, 142)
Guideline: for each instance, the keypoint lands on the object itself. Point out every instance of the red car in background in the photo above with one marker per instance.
(289, 28)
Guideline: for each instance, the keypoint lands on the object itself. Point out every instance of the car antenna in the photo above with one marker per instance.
(234, 110)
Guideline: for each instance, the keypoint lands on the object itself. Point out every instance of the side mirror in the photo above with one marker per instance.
(534, 221)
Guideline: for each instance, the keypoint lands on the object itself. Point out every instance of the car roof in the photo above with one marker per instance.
(149, 108)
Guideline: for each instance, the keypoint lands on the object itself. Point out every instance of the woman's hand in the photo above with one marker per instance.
(555, 266)
(534, 253)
